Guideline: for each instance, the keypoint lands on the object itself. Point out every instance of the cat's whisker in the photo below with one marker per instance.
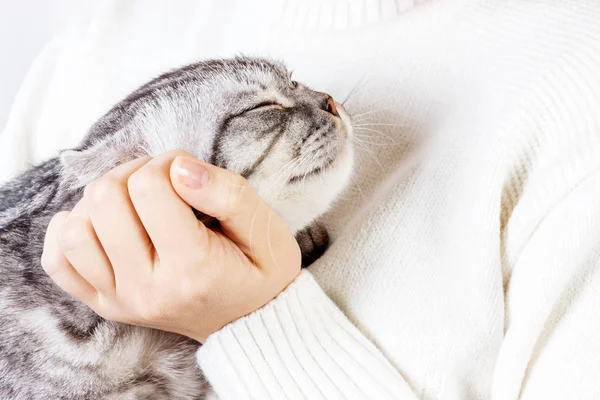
(380, 124)
(373, 156)
(373, 140)
(354, 90)
(298, 161)
(252, 230)
(368, 136)
(359, 118)
(368, 142)
(376, 131)
(286, 173)
(285, 170)
(364, 134)
(269, 240)
(356, 140)
(287, 167)
(309, 159)
(355, 116)
(358, 187)
(174, 110)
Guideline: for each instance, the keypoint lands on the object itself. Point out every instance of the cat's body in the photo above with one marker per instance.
(54, 347)
(242, 114)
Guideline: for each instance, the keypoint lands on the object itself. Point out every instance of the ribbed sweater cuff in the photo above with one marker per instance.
(298, 346)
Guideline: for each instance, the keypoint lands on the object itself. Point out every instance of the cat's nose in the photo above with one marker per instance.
(329, 106)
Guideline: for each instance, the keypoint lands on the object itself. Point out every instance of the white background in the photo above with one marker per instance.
(25, 27)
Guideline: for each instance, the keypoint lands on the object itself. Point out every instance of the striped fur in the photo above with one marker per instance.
(243, 114)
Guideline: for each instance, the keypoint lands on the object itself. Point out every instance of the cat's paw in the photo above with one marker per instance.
(313, 241)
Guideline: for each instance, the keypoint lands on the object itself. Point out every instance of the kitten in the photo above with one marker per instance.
(244, 114)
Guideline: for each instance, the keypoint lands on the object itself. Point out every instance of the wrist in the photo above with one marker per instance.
(299, 275)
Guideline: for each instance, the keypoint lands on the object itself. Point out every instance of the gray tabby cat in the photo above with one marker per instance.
(243, 114)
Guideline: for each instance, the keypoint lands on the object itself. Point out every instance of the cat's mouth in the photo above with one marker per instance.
(330, 162)
(342, 132)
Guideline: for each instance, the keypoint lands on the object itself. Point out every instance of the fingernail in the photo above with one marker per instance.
(191, 173)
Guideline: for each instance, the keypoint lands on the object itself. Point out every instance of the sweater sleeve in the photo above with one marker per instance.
(298, 346)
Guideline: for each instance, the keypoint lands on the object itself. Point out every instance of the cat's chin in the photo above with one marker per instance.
(342, 160)
(318, 191)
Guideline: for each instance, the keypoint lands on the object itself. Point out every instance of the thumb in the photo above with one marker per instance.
(245, 218)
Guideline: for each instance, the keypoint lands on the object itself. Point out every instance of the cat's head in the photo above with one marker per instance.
(244, 114)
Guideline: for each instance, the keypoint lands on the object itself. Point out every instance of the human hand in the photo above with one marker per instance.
(134, 252)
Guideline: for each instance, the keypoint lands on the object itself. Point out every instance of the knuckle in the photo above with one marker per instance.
(51, 262)
(191, 287)
(101, 190)
(143, 181)
(71, 236)
(57, 221)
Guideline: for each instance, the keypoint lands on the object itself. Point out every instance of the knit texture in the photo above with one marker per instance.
(466, 252)
(299, 346)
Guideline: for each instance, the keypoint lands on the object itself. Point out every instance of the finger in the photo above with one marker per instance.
(117, 226)
(259, 231)
(81, 247)
(58, 267)
(169, 221)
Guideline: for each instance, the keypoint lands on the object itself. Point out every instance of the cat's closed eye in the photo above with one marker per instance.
(265, 104)
(289, 142)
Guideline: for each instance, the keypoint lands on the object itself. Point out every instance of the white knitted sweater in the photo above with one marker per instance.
(466, 254)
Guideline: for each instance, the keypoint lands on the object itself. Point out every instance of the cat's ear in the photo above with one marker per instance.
(90, 163)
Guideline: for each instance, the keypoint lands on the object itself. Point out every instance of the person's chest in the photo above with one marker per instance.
(417, 264)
